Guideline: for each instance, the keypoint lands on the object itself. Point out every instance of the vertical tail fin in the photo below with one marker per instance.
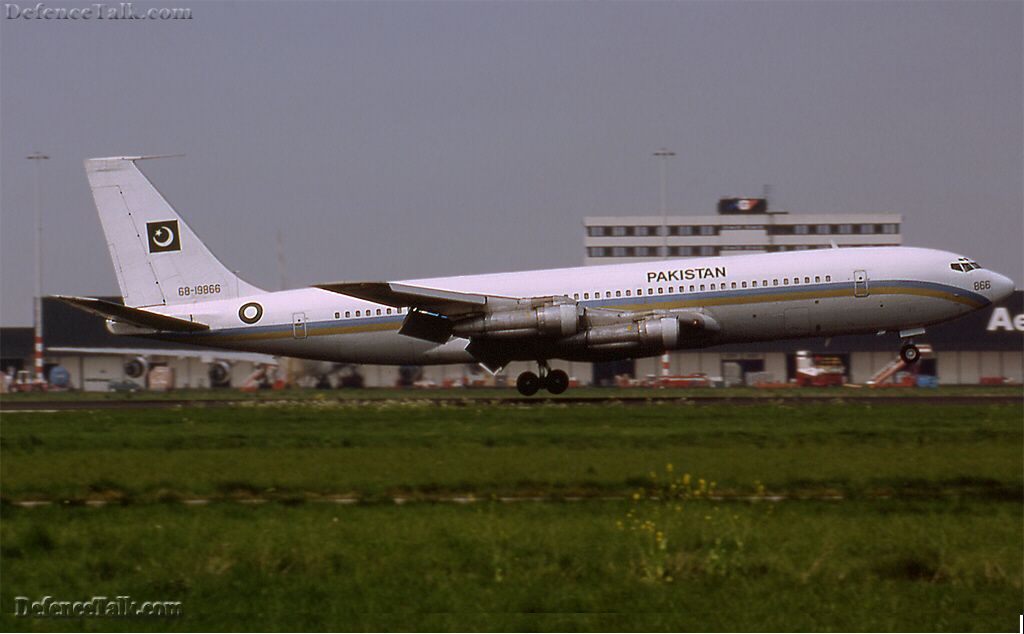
(158, 259)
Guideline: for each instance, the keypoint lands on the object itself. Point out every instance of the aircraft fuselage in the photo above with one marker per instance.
(755, 297)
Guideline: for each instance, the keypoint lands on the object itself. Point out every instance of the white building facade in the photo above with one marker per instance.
(743, 225)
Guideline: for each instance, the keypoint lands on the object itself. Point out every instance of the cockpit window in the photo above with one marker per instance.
(963, 265)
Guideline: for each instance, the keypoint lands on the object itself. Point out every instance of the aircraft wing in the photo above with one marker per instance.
(432, 310)
(493, 322)
(133, 316)
(434, 300)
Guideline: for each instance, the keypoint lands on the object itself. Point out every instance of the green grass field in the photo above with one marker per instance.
(838, 516)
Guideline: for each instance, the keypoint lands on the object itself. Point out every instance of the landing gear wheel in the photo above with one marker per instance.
(556, 381)
(910, 353)
(528, 383)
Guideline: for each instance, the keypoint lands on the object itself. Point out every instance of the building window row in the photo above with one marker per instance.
(833, 229)
(693, 251)
(640, 231)
(621, 231)
(648, 252)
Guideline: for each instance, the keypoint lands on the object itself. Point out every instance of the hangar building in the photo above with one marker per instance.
(94, 358)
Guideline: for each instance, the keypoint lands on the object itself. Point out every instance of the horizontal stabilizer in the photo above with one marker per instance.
(133, 316)
(403, 295)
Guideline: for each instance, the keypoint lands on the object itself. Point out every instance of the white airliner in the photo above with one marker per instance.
(175, 289)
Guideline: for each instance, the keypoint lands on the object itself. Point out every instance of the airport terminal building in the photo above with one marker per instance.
(742, 225)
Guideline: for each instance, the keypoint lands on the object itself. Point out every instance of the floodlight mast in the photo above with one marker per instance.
(664, 154)
(38, 303)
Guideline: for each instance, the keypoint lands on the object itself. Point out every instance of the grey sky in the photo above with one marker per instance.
(392, 140)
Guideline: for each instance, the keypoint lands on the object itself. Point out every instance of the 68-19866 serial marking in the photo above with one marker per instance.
(199, 289)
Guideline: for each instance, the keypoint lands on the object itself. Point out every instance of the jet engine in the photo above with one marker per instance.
(660, 333)
(553, 320)
(136, 367)
(219, 373)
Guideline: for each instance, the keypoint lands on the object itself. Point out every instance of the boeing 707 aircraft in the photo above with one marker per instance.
(175, 289)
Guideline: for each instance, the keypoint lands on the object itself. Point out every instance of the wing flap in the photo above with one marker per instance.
(426, 326)
(134, 316)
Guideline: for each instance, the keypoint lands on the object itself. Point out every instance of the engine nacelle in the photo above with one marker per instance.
(659, 332)
(136, 368)
(219, 374)
(558, 320)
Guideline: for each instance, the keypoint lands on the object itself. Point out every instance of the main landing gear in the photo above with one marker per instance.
(555, 381)
(910, 353)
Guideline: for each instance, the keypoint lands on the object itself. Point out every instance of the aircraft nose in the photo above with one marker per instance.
(1002, 287)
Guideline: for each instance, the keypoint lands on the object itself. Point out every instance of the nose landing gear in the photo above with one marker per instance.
(554, 381)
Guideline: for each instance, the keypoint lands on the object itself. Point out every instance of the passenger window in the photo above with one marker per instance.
(691, 288)
(744, 284)
(586, 295)
(712, 287)
(817, 278)
(807, 280)
(701, 287)
(785, 281)
(639, 291)
(650, 291)
(764, 282)
(378, 311)
(348, 313)
(660, 290)
(828, 278)
(389, 311)
(775, 282)
(607, 293)
(358, 313)
(618, 293)
(575, 295)
(754, 284)
(734, 284)
(671, 289)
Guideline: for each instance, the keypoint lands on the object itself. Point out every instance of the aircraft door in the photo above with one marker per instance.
(299, 325)
(860, 284)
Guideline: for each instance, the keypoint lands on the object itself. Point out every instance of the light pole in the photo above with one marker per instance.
(664, 155)
(38, 304)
